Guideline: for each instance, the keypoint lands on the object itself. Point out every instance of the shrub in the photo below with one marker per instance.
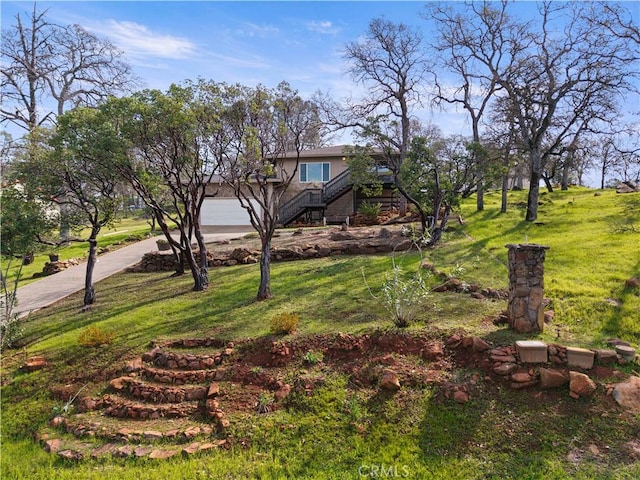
(402, 298)
(312, 357)
(284, 323)
(370, 210)
(95, 336)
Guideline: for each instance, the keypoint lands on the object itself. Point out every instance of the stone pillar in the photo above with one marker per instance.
(526, 287)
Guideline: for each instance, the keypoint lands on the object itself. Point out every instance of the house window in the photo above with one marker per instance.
(314, 172)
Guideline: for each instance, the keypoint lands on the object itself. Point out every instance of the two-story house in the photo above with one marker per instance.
(321, 189)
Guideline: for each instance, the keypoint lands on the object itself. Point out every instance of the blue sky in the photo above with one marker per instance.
(243, 42)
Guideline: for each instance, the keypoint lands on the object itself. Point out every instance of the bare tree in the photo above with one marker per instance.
(390, 62)
(66, 64)
(270, 129)
(555, 84)
(482, 28)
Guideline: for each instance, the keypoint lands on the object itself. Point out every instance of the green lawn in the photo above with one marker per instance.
(417, 433)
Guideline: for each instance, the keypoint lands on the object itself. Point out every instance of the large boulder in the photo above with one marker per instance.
(627, 394)
(580, 385)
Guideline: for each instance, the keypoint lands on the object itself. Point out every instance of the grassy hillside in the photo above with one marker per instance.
(343, 430)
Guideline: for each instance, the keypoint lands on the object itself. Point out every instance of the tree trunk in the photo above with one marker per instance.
(264, 291)
(438, 230)
(480, 196)
(604, 173)
(547, 183)
(89, 291)
(564, 183)
(534, 186)
(203, 261)
(505, 188)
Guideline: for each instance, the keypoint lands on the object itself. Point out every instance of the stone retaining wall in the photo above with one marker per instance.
(343, 244)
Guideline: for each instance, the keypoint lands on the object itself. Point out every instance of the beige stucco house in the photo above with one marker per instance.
(320, 190)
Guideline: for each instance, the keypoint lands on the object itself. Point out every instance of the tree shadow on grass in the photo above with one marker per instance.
(624, 320)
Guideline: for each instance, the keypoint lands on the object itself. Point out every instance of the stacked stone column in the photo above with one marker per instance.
(526, 287)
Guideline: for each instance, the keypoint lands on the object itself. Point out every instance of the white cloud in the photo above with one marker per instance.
(324, 27)
(254, 30)
(139, 41)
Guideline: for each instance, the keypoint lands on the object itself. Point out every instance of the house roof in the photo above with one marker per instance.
(333, 151)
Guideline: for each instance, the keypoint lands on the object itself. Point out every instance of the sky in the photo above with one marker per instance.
(244, 42)
(247, 42)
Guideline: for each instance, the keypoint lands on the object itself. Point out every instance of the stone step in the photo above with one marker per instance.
(75, 449)
(176, 360)
(152, 392)
(119, 407)
(180, 377)
(118, 431)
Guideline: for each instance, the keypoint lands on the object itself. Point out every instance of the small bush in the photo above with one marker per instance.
(312, 358)
(284, 323)
(95, 336)
(370, 210)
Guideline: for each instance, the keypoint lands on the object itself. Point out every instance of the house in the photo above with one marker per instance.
(322, 189)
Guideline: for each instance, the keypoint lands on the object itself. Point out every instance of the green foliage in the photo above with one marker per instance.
(95, 336)
(284, 323)
(363, 170)
(312, 357)
(370, 210)
(403, 298)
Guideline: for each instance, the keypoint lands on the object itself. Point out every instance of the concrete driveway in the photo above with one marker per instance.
(48, 290)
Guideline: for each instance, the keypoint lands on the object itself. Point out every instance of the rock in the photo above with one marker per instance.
(521, 385)
(282, 392)
(124, 451)
(161, 454)
(505, 368)
(460, 397)
(479, 345)
(191, 448)
(550, 378)
(389, 381)
(71, 455)
(632, 283)
(503, 358)
(214, 390)
(521, 377)
(152, 435)
(385, 233)
(606, 356)
(119, 383)
(453, 341)
(628, 394)
(340, 236)
(103, 450)
(581, 385)
(53, 445)
(142, 451)
(35, 363)
(548, 316)
(57, 421)
(192, 432)
(432, 352)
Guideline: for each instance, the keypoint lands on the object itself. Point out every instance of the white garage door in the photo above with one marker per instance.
(224, 211)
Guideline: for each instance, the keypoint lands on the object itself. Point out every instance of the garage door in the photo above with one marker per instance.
(224, 211)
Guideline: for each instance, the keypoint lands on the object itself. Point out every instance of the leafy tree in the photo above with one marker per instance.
(438, 173)
(270, 127)
(73, 166)
(177, 140)
(26, 222)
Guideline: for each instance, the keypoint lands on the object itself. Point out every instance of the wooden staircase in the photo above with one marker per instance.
(315, 199)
